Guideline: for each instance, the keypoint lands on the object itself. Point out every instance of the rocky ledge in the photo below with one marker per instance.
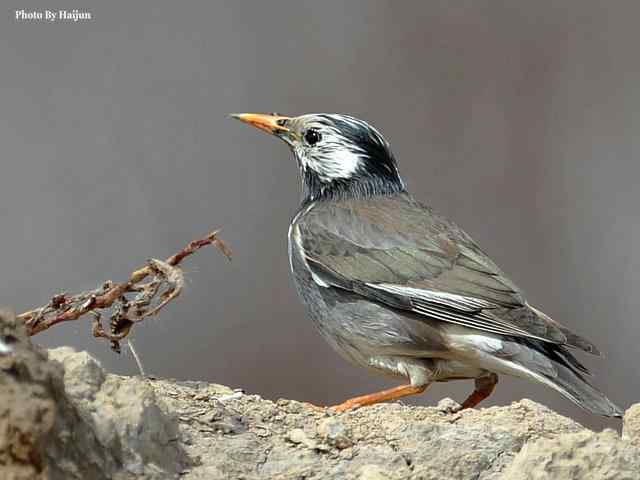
(63, 417)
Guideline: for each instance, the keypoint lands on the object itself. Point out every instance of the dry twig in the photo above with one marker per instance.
(166, 283)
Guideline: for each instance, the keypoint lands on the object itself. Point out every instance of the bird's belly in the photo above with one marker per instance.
(321, 311)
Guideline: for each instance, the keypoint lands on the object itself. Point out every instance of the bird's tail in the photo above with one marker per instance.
(583, 393)
(555, 366)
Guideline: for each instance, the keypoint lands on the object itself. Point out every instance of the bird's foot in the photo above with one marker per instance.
(383, 396)
(350, 404)
(484, 388)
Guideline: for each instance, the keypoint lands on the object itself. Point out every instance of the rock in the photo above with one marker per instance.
(42, 434)
(127, 418)
(372, 472)
(385, 441)
(83, 374)
(299, 436)
(448, 405)
(577, 456)
(631, 426)
(27, 407)
(334, 432)
(206, 473)
(68, 419)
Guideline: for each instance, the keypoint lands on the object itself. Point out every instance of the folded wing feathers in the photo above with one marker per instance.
(418, 279)
(459, 309)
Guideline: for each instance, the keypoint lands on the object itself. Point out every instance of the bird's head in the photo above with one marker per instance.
(339, 156)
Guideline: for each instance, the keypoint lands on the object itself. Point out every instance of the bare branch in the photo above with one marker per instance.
(165, 284)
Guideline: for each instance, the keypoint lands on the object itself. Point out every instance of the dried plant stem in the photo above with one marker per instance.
(166, 283)
(132, 349)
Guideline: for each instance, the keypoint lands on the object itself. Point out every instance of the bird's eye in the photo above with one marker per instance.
(312, 136)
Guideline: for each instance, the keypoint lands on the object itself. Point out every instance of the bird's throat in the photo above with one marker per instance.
(361, 185)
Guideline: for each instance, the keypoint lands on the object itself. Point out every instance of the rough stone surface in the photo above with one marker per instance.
(68, 419)
(578, 456)
(128, 419)
(334, 432)
(288, 440)
(631, 428)
(64, 418)
(27, 409)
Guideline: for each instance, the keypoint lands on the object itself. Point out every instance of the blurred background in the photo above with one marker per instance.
(520, 120)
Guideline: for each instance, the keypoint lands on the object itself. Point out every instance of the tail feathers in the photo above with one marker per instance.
(572, 339)
(576, 341)
(580, 391)
(564, 373)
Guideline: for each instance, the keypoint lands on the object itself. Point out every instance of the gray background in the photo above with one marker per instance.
(518, 119)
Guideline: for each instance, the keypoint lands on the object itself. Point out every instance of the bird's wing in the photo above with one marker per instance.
(400, 253)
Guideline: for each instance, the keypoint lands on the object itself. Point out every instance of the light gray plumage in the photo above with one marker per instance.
(397, 288)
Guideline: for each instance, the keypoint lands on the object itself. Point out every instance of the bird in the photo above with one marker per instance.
(397, 288)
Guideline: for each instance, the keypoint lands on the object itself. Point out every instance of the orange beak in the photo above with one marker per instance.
(270, 123)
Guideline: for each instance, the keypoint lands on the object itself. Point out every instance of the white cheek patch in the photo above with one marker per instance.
(330, 162)
(339, 164)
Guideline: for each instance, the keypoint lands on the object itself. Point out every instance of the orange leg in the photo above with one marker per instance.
(383, 396)
(484, 387)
